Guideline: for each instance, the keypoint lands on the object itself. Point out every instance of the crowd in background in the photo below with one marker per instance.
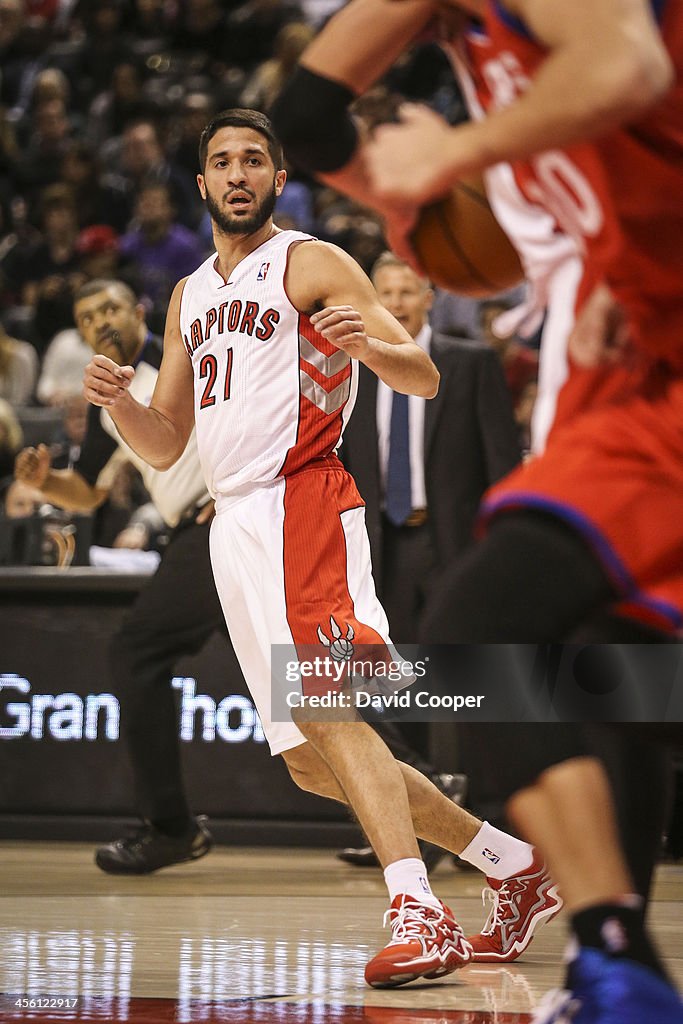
(101, 106)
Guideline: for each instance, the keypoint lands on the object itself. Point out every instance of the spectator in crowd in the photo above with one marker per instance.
(27, 56)
(200, 33)
(19, 500)
(159, 249)
(144, 162)
(10, 438)
(252, 26)
(265, 83)
(149, 20)
(66, 447)
(11, 20)
(196, 110)
(98, 250)
(61, 375)
(19, 505)
(99, 198)
(107, 44)
(43, 270)
(18, 369)
(50, 84)
(48, 9)
(120, 103)
(9, 153)
(40, 162)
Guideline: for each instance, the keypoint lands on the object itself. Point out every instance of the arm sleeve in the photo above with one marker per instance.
(97, 448)
(312, 120)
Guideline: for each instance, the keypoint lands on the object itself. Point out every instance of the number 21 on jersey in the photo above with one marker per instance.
(208, 370)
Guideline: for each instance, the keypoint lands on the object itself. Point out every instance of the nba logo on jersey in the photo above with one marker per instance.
(263, 272)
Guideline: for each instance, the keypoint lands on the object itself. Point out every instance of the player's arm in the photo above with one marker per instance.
(355, 48)
(158, 432)
(63, 487)
(606, 65)
(323, 278)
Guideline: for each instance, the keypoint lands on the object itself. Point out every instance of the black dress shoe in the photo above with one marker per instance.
(147, 849)
(452, 786)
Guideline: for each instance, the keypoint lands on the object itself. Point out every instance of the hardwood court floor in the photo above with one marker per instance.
(250, 935)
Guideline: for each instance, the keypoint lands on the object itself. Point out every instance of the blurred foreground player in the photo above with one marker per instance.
(154, 634)
(594, 524)
(259, 351)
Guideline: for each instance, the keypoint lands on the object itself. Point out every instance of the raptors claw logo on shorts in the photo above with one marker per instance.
(341, 648)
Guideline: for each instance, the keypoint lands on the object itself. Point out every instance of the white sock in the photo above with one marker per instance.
(498, 854)
(409, 876)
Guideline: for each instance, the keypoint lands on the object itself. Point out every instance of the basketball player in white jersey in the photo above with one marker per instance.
(260, 351)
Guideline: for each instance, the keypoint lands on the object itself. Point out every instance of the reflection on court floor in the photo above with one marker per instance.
(170, 1011)
(251, 937)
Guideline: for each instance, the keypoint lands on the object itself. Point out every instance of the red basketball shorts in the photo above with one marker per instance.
(613, 470)
(292, 562)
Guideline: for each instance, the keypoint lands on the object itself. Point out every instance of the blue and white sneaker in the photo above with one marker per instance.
(609, 991)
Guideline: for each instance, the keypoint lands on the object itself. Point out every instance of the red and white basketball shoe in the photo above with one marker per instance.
(520, 905)
(425, 943)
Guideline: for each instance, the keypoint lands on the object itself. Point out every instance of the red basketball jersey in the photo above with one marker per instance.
(621, 197)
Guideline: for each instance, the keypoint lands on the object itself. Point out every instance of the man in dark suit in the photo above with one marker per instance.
(459, 443)
(422, 468)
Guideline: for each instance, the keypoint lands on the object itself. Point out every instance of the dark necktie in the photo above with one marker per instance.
(397, 499)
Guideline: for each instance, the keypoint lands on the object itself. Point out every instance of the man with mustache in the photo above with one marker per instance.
(154, 635)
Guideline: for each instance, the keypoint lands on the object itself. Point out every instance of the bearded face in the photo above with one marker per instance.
(239, 211)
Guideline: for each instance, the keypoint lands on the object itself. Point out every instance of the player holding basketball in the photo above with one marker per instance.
(601, 510)
(258, 350)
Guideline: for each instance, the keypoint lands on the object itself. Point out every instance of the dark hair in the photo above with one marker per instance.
(238, 118)
(101, 284)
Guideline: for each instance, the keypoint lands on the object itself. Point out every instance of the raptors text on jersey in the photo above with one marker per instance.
(270, 393)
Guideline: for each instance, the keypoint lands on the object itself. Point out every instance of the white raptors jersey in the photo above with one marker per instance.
(270, 393)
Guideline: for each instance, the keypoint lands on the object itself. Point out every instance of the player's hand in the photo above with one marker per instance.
(410, 162)
(600, 336)
(105, 383)
(32, 466)
(343, 326)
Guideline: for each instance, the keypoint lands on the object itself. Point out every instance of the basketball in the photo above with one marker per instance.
(462, 247)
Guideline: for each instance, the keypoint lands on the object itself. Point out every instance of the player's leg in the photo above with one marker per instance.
(275, 589)
(160, 628)
(329, 589)
(531, 579)
(407, 561)
(433, 816)
(561, 801)
(452, 786)
(522, 893)
(614, 973)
